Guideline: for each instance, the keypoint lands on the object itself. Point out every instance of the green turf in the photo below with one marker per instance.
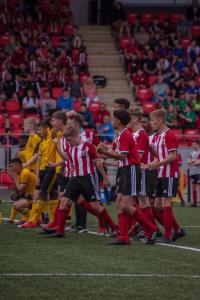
(23, 251)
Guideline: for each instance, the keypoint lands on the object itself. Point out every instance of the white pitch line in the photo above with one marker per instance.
(97, 275)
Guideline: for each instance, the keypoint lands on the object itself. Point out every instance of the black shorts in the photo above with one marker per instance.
(82, 185)
(130, 181)
(195, 178)
(46, 177)
(63, 182)
(167, 187)
(151, 189)
(15, 197)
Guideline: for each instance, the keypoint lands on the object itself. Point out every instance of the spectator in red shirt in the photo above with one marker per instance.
(99, 115)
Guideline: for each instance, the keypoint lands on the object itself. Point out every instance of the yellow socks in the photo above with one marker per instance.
(13, 214)
(39, 206)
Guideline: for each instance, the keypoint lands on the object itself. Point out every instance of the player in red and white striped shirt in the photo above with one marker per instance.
(125, 152)
(142, 141)
(167, 184)
(82, 156)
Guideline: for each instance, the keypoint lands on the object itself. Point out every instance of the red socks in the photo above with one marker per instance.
(107, 219)
(168, 220)
(147, 211)
(123, 227)
(62, 216)
(88, 207)
(146, 225)
(54, 223)
(158, 215)
(194, 197)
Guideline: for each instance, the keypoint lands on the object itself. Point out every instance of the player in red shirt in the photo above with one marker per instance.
(142, 140)
(125, 151)
(83, 159)
(167, 184)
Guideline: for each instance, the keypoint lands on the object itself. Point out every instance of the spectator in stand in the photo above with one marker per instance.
(76, 88)
(77, 39)
(193, 52)
(142, 36)
(106, 130)
(176, 88)
(178, 50)
(47, 105)
(30, 103)
(31, 84)
(65, 102)
(196, 105)
(9, 86)
(192, 89)
(160, 90)
(171, 117)
(118, 14)
(150, 64)
(180, 63)
(139, 80)
(90, 91)
(181, 102)
(193, 12)
(87, 116)
(100, 113)
(196, 65)
(187, 119)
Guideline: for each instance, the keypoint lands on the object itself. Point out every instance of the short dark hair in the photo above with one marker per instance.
(123, 116)
(59, 115)
(16, 161)
(123, 102)
(44, 124)
(78, 118)
(136, 113)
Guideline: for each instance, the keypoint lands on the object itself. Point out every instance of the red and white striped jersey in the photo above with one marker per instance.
(166, 142)
(142, 140)
(90, 137)
(64, 146)
(82, 158)
(125, 143)
(152, 142)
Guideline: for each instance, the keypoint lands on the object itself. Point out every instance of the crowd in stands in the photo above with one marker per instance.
(43, 64)
(162, 61)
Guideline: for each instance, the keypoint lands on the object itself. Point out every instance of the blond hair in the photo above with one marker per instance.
(70, 131)
(159, 114)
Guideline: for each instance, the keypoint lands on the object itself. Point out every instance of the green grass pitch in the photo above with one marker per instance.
(23, 251)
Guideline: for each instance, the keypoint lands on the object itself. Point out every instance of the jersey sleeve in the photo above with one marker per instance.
(92, 152)
(171, 142)
(24, 176)
(142, 143)
(125, 141)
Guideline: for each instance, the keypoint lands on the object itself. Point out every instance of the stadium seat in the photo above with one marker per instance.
(16, 121)
(1, 106)
(148, 107)
(195, 31)
(55, 41)
(6, 180)
(56, 92)
(94, 107)
(197, 80)
(12, 107)
(144, 95)
(147, 19)
(162, 16)
(178, 133)
(175, 18)
(124, 43)
(191, 135)
(152, 79)
(4, 40)
(42, 91)
(16, 133)
(131, 18)
(77, 106)
(68, 30)
(2, 121)
(185, 42)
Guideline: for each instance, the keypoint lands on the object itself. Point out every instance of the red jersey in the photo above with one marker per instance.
(90, 137)
(64, 146)
(166, 142)
(142, 140)
(125, 143)
(152, 142)
(82, 158)
(99, 115)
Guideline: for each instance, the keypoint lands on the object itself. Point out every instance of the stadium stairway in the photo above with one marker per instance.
(105, 60)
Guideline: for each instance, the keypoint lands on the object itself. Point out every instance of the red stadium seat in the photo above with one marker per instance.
(94, 107)
(131, 18)
(197, 80)
(185, 42)
(2, 121)
(68, 30)
(163, 16)
(16, 121)
(42, 91)
(175, 18)
(124, 43)
(12, 107)
(147, 19)
(55, 41)
(56, 92)
(77, 106)
(6, 180)
(191, 135)
(195, 31)
(178, 133)
(1, 106)
(152, 79)
(4, 40)
(16, 133)
(148, 107)
(144, 94)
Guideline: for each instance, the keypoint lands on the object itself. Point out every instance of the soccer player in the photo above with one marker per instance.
(120, 104)
(25, 182)
(195, 171)
(83, 158)
(125, 151)
(167, 183)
